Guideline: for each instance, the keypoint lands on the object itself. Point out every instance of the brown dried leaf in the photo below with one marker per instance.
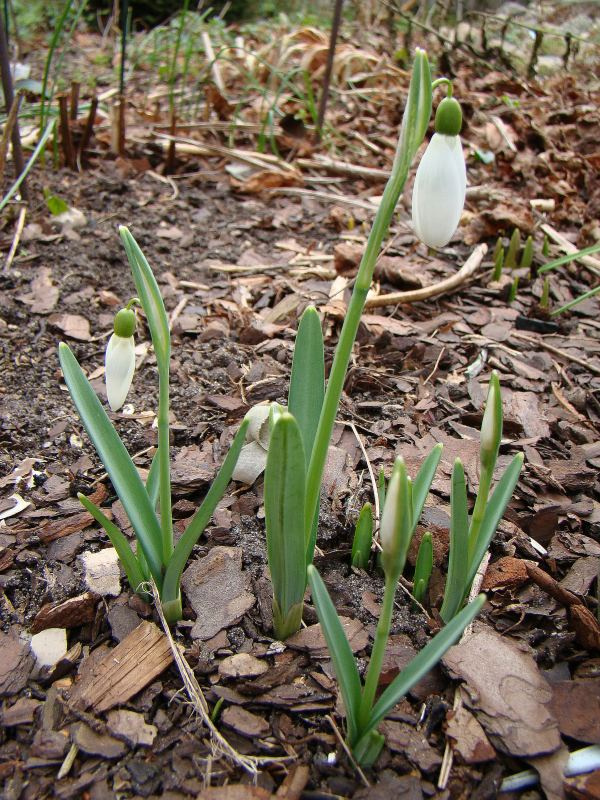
(505, 689)
(218, 591)
(73, 325)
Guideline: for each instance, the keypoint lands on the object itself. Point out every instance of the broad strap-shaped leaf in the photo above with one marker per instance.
(133, 571)
(284, 513)
(494, 512)
(424, 661)
(307, 390)
(153, 480)
(459, 545)
(149, 294)
(201, 518)
(119, 466)
(339, 650)
(422, 483)
(307, 382)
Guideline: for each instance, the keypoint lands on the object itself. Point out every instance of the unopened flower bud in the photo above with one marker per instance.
(120, 359)
(491, 426)
(441, 181)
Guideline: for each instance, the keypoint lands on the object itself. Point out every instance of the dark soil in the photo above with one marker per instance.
(406, 389)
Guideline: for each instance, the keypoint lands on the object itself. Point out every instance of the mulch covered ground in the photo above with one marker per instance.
(239, 250)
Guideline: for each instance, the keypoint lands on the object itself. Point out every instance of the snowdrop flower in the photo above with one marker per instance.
(395, 529)
(441, 181)
(120, 359)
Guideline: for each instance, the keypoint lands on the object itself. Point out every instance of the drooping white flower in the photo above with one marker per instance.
(441, 181)
(120, 359)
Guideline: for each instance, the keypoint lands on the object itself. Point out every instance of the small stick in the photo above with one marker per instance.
(65, 133)
(347, 750)
(89, 127)
(466, 272)
(74, 109)
(16, 238)
(7, 85)
(335, 27)
(7, 133)
(551, 349)
(121, 126)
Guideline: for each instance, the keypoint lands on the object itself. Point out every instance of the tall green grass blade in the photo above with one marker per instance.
(121, 469)
(134, 573)
(493, 514)
(558, 262)
(284, 516)
(424, 661)
(575, 301)
(459, 545)
(339, 650)
(201, 518)
(27, 169)
(153, 480)
(54, 39)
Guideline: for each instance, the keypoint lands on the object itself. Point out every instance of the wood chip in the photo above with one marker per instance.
(244, 722)
(242, 665)
(312, 639)
(67, 613)
(124, 670)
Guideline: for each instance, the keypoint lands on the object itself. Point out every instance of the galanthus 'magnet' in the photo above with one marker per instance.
(441, 180)
(120, 359)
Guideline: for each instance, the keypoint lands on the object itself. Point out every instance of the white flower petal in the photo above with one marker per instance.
(120, 366)
(439, 190)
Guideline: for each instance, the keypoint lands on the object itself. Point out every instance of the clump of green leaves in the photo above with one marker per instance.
(147, 505)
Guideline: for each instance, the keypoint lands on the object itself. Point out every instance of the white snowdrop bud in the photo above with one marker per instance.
(441, 181)
(120, 359)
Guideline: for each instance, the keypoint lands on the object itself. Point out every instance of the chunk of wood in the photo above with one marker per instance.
(124, 671)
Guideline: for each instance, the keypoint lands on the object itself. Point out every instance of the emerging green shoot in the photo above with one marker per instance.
(513, 250)
(527, 254)
(498, 264)
(363, 537)
(423, 567)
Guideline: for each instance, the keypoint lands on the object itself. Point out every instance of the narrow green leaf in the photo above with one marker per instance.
(366, 751)
(284, 513)
(133, 571)
(339, 650)
(423, 567)
(459, 545)
(423, 662)
(201, 518)
(493, 514)
(558, 262)
(424, 479)
(307, 390)
(307, 382)
(153, 480)
(149, 294)
(363, 537)
(121, 469)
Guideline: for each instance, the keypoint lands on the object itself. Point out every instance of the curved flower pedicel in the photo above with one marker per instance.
(441, 180)
(120, 359)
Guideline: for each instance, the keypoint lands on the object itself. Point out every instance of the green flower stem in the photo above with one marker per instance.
(381, 637)
(485, 482)
(414, 126)
(166, 520)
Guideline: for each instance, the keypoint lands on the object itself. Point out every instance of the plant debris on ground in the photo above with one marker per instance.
(246, 219)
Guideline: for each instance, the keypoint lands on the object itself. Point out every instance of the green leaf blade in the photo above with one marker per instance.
(340, 651)
(424, 661)
(422, 483)
(494, 512)
(459, 545)
(119, 466)
(285, 487)
(134, 573)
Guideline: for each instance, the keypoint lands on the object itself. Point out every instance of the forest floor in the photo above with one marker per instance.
(240, 244)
